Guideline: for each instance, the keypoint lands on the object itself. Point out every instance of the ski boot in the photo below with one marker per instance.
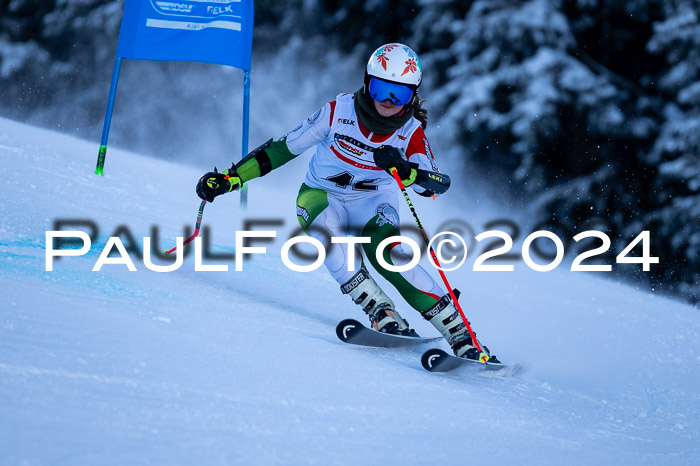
(377, 305)
(446, 319)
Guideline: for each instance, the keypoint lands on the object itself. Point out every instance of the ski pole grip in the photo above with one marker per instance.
(394, 171)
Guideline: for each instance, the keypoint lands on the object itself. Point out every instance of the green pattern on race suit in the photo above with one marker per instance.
(377, 231)
(310, 203)
(277, 151)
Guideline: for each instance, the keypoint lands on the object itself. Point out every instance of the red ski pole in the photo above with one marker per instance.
(196, 228)
(483, 357)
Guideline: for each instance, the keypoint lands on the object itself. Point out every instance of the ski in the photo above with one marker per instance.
(352, 331)
(437, 360)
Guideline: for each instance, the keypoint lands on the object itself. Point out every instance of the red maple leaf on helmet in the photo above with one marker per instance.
(389, 48)
(410, 66)
(382, 59)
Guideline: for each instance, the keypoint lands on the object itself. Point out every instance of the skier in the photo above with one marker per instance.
(358, 138)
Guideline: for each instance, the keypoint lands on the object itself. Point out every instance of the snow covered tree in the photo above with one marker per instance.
(676, 152)
(43, 43)
(573, 102)
(360, 23)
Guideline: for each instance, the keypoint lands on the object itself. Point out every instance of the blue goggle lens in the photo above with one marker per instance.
(398, 94)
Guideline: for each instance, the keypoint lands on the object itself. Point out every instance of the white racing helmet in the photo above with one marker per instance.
(393, 72)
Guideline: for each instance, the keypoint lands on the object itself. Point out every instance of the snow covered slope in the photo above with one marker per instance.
(119, 367)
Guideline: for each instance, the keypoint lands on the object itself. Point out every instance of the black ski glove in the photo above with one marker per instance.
(213, 184)
(388, 157)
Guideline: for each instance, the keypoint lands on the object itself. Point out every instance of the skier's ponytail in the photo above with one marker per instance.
(419, 112)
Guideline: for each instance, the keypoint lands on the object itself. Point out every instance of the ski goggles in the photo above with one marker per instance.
(398, 94)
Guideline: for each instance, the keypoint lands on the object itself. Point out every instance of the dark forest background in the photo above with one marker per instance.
(586, 111)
